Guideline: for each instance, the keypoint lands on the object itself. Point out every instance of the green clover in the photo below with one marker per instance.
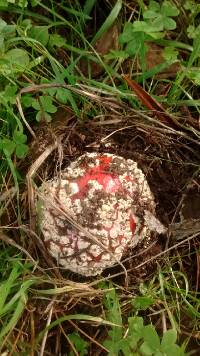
(160, 15)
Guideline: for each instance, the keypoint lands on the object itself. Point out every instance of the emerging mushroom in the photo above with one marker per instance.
(94, 211)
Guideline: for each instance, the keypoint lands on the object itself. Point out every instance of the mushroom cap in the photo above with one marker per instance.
(94, 211)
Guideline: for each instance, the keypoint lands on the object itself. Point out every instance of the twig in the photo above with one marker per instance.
(87, 336)
(11, 242)
(30, 175)
(18, 103)
(147, 261)
(46, 332)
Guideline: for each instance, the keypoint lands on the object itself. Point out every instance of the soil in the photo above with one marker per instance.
(170, 165)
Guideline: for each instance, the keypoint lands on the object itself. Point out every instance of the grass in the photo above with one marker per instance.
(57, 81)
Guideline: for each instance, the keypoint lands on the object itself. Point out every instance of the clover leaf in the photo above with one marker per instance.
(134, 40)
(44, 105)
(7, 146)
(160, 15)
(170, 54)
(43, 116)
(21, 148)
(142, 302)
(151, 342)
(17, 145)
(10, 93)
(80, 344)
(56, 40)
(40, 34)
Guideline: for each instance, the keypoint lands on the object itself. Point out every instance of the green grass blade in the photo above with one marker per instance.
(83, 15)
(15, 317)
(75, 317)
(196, 51)
(89, 4)
(5, 287)
(26, 13)
(10, 304)
(109, 21)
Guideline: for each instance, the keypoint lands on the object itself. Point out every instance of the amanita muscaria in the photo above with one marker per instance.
(108, 198)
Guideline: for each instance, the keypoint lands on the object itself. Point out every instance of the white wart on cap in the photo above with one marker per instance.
(110, 199)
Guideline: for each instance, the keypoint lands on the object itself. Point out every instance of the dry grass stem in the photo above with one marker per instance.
(29, 177)
(87, 336)
(157, 256)
(18, 103)
(11, 242)
(44, 340)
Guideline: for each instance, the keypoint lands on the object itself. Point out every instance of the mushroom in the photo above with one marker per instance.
(94, 211)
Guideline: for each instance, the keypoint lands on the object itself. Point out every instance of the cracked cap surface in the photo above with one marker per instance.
(107, 195)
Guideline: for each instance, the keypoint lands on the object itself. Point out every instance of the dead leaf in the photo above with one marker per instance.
(191, 205)
(185, 228)
(148, 101)
(108, 41)
(154, 57)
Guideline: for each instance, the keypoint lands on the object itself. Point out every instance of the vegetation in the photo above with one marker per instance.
(111, 75)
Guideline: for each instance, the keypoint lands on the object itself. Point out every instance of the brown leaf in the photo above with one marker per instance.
(150, 102)
(154, 57)
(185, 228)
(191, 205)
(108, 41)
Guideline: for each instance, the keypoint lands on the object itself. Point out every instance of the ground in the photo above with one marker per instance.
(113, 77)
